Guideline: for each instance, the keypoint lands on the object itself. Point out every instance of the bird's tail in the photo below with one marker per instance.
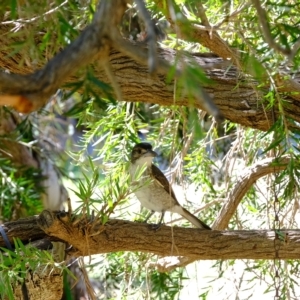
(191, 218)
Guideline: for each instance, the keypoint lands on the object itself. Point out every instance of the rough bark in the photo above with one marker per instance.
(89, 238)
(40, 285)
(235, 94)
(237, 101)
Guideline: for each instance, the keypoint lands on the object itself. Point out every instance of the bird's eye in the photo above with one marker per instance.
(139, 151)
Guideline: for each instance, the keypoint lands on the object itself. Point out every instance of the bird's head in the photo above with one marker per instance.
(142, 154)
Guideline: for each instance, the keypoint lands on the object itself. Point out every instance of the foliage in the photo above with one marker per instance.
(15, 265)
(199, 155)
(20, 186)
(125, 275)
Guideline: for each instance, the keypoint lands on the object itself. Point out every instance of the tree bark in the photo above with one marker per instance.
(46, 283)
(234, 93)
(238, 101)
(89, 237)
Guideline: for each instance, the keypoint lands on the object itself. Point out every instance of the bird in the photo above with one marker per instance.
(153, 189)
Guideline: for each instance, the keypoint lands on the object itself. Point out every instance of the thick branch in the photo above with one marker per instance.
(96, 39)
(36, 88)
(89, 238)
(24, 229)
(238, 102)
(234, 96)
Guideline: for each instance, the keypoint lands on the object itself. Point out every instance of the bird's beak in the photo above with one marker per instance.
(150, 153)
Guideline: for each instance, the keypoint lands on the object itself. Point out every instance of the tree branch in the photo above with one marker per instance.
(234, 95)
(244, 183)
(94, 41)
(265, 28)
(89, 238)
(210, 40)
(36, 88)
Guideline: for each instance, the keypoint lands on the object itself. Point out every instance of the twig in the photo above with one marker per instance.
(113, 80)
(22, 21)
(151, 36)
(202, 14)
(264, 25)
(231, 16)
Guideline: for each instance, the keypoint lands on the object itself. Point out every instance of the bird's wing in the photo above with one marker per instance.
(162, 180)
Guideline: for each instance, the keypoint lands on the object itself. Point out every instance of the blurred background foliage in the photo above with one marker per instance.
(88, 136)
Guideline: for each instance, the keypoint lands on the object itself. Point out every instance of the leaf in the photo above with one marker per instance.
(13, 9)
(254, 67)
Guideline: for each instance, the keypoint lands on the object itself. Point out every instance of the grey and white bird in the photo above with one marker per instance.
(153, 189)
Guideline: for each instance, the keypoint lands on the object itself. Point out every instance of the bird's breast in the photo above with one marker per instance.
(154, 197)
(151, 194)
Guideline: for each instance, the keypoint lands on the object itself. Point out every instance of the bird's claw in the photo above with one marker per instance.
(155, 226)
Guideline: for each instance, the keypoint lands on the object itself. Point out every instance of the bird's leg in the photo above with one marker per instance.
(149, 216)
(156, 226)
